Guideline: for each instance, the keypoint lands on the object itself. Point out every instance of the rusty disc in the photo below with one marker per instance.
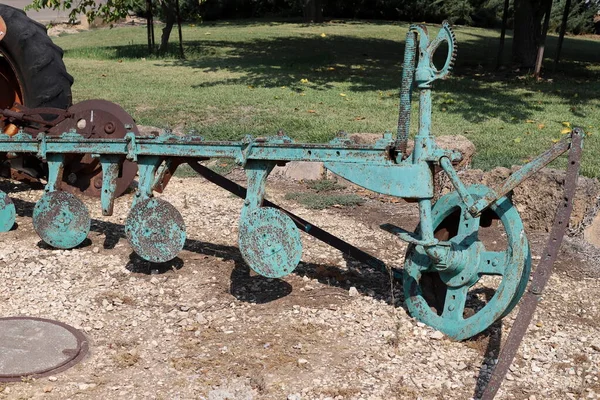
(61, 220)
(97, 119)
(270, 243)
(8, 213)
(36, 347)
(155, 230)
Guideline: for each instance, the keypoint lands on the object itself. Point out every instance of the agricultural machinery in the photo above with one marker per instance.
(94, 148)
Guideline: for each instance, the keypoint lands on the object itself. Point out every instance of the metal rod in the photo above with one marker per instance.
(525, 172)
(542, 272)
(190, 147)
(460, 187)
(302, 224)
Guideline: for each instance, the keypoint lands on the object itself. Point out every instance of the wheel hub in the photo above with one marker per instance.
(459, 265)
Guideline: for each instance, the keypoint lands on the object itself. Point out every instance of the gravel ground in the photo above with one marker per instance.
(204, 327)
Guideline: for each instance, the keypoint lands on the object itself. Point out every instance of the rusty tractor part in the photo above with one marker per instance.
(95, 119)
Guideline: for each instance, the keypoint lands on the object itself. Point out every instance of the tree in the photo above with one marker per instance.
(527, 31)
(111, 11)
(528, 24)
(313, 11)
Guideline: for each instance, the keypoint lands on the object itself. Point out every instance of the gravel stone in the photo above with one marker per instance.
(204, 326)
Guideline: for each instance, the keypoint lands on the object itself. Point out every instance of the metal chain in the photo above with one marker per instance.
(543, 271)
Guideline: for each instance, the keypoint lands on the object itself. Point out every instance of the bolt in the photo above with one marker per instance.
(494, 263)
(451, 307)
(109, 128)
(72, 178)
(98, 182)
(81, 124)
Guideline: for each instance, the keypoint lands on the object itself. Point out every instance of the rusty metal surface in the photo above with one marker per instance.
(542, 273)
(34, 120)
(8, 213)
(97, 119)
(37, 347)
(269, 242)
(61, 220)
(155, 230)
(166, 172)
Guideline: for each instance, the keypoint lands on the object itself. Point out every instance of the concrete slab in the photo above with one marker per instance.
(37, 347)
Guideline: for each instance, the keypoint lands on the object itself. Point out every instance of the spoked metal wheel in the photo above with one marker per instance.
(485, 279)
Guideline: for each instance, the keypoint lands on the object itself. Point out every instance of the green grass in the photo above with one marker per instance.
(324, 185)
(319, 201)
(253, 77)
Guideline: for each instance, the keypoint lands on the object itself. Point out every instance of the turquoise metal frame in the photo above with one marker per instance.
(269, 241)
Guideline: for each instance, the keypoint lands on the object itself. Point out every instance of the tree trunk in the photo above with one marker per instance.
(527, 32)
(318, 11)
(313, 11)
(309, 11)
(169, 10)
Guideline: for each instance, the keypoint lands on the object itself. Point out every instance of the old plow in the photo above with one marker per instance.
(94, 146)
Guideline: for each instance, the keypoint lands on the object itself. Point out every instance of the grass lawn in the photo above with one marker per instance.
(254, 77)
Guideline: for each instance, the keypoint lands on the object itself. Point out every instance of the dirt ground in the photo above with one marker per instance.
(204, 327)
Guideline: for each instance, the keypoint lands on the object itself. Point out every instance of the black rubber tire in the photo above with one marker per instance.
(36, 61)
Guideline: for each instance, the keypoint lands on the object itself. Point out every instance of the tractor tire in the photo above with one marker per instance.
(35, 63)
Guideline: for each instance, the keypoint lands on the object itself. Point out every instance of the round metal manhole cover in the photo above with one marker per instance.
(34, 347)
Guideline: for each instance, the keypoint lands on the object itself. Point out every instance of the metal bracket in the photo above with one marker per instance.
(55, 171)
(147, 170)
(132, 147)
(242, 159)
(111, 166)
(257, 173)
(42, 147)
